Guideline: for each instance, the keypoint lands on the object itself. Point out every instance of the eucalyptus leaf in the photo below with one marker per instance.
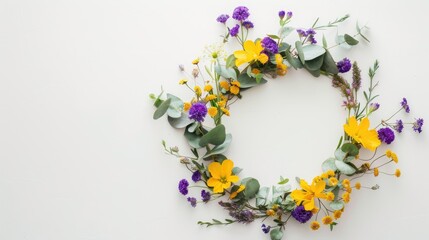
(192, 127)
(344, 167)
(285, 31)
(230, 61)
(350, 149)
(342, 42)
(312, 51)
(162, 109)
(276, 234)
(216, 136)
(176, 106)
(298, 46)
(221, 148)
(262, 196)
(329, 64)
(181, 122)
(340, 155)
(314, 64)
(247, 82)
(236, 170)
(283, 47)
(294, 62)
(336, 205)
(329, 164)
(315, 73)
(227, 73)
(350, 40)
(283, 180)
(252, 188)
(193, 139)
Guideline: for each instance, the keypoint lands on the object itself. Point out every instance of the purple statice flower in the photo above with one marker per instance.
(399, 126)
(192, 201)
(417, 125)
(265, 229)
(222, 18)
(289, 15)
(374, 107)
(205, 195)
(301, 33)
(270, 46)
(386, 135)
(248, 24)
(310, 31)
(240, 13)
(311, 39)
(183, 186)
(301, 215)
(404, 105)
(234, 31)
(282, 14)
(344, 65)
(198, 111)
(196, 176)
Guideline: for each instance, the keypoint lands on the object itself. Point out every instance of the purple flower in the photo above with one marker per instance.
(205, 195)
(386, 135)
(183, 186)
(265, 229)
(193, 201)
(301, 215)
(289, 15)
(404, 105)
(344, 65)
(311, 39)
(222, 18)
(269, 45)
(248, 24)
(417, 125)
(310, 31)
(282, 14)
(301, 32)
(373, 107)
(398, 126)
(234, 31)
(240, 13)
(196, 176)
(198, 111)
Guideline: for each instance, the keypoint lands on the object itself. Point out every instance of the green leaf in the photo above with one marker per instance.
(176, 106)
(285, 31)
(294, 62)
(221, 148)
(247, 82)
(193, 139)
(342, 42)
(230, 61)
(252, 188)
(227, 73)
(216, 136)
(162, 109)
(329, 64)
(315, 73)
(315, 64)
(350, 149)
(325, 44)
(340, 155)
(261, 197)
(283, 180)
(283, 47)
(344, 167)
(298, 46)
(236, 170)
(350, 40)
(312, 51)
(329, 164)
(337, 205)
(181, 122)
(273, 36)
(276, 234)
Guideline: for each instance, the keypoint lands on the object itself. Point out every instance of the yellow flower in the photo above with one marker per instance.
(324, 175)
(308, 193)
(235, 87)
(358, 185)
(183, 82)
(210, 97)
(392, 155)
(252, 52)
(224, 85)
(346, 183)
(376, 172)
(197, 90)
(270, 212)
(212, 111)
(225, 111)
(315, 225)
(186, 106)
(346, 197)
(208, 88)
(221, 103)
(235, 193)
(327, 220)
(330, 196)
(337, 214)
(398, 172)
(333, 181)
(221, 176)
(315, 210)
(361, 134)
(349, 190)
(281, 67)
(330, 173)
(196, 61)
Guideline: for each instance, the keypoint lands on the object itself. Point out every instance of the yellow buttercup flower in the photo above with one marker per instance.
(221, 175)
(186, 106)
(315, 225)
(346, 183)
(330, 173)
(221, 103)
(327, 220)
(308, 193)
(235, 193)
(252, 52)
(281, 67)
(337, 214)
(330, 196)
(398, 172)
(333, 181)
(212, 111)
(183, 82)
(361, 134)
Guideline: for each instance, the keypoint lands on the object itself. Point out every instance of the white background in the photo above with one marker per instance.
(80, 156)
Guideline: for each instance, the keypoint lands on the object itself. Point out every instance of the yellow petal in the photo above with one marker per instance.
(309, 205)
(318, 187)
(249, 46)
(215, 169)
(258, 47)
(212, 182)
(263, 58)
(305, 185)
(233, 178)
(227, 166)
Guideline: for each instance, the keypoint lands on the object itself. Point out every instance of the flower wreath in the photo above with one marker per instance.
(219, 85)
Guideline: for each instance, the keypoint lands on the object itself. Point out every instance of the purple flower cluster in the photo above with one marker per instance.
(234, 31)
(235, 211)
(386, 135)
(309, 33)
(240, 13)
(183, 186)
(192, 201)
(270, 46)
(344, 65)
(248, 24)
(399, 126)
(265, 229)
(196, 176)
(205, 195)
(405, 106)
(417, 125)
(301, 215)
(374, 107)
(198, 111)
(222, 18)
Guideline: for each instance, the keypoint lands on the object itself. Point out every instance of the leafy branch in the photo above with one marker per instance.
(217, 222)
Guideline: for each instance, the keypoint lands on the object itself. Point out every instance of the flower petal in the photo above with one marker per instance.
(215, 169)
(309, 204)
(233, 178)
(227, 166)
(305, 185)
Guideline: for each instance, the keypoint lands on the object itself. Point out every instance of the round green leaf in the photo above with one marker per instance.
(181, 122)
(350, 148)
(162, 109)
(247, 82)
(329, 164)
(216, 136)
(344, 167)
(312, 51)
(276, 234)
(337, 205)
(252, 188)
(350, 40)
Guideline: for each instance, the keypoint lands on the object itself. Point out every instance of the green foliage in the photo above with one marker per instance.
(252, 188)
(180, 122)
(220, 148)
(350, 40)
(312, 51)
(247, 82)
(216, 136)
(175, 107)
(162, 109)
(276, 234)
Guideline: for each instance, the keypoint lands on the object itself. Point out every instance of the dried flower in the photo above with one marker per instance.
(192, 201)
(198, 111)
(240, 13)
(183, 186)
(386, 135)
(405, 105)
(222, 18)
(234, 31)
(344, 65)
(301, 215)
(417, 125)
